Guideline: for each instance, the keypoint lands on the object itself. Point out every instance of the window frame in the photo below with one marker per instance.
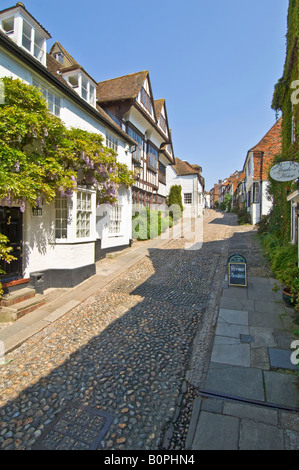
(152, 157)
(115, 221)
(138, 137)
(62, 220)
(56, 103)
(111, 142)
(85, 214)
(186, 196)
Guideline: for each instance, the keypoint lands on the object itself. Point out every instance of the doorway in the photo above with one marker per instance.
(11, 219)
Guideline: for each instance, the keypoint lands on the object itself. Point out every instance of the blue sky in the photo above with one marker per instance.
(215, 63)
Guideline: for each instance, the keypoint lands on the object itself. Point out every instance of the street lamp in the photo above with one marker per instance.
(137, 170)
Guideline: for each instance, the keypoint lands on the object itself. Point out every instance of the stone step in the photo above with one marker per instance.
(17, 296)
(18, 310)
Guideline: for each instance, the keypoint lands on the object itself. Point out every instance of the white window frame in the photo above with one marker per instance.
(83, 214)
(31, 37)
(111, 142)
(54, 103)
(7, 20)
(61, 218)
(188, 198)
(115, 221)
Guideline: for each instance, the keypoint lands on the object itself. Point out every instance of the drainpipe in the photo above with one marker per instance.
(261, 186)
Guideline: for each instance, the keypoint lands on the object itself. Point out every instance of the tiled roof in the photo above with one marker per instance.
(271, 142)
(53, 66)
(72, 64)
(58, 47)
(183, 168)
(158, 106)
(265, 151)
(121, 88)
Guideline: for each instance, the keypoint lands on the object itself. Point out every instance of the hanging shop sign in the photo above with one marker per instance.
(285, 171)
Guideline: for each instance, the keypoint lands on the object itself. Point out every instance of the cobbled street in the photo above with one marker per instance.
(117, 363)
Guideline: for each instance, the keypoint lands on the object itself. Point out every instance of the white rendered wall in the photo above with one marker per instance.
(41, 250)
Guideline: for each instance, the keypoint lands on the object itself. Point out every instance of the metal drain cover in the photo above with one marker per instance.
(76, 428)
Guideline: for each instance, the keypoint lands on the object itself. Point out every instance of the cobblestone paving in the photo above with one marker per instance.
(124, 352)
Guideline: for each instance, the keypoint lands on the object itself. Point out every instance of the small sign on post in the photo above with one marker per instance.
(237, 271)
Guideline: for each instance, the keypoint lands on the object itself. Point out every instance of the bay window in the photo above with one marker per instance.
(152, 158)
(137, 154)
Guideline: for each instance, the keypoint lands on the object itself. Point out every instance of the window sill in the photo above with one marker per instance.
(76, 241)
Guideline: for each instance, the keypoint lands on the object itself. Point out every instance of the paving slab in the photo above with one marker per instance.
(281, 389)
(281, 359)
(266, 319)
(237, 304)
(263, 337)
(234, 354)
(207, 438)
(253, 412)
(270, 307)
(242, 382)
(238, 317)
(260, 436)
(232, 331)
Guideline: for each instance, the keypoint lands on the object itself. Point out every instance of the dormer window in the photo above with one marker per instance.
(59, 57)
(82, 85)
(25, 31)
(73, 80)
(8, 26)
(33, 41)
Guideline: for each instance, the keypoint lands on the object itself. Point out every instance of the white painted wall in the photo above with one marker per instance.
(41, 250)
(189, 184)
(103, 212)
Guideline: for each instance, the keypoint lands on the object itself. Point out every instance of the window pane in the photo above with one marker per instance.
(188, 198)
(83, 223)
(61, 216)
(26, 37)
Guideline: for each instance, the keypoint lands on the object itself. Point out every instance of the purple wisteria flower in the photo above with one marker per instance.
(22, 206)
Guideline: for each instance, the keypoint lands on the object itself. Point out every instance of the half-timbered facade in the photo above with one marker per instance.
(129, 101)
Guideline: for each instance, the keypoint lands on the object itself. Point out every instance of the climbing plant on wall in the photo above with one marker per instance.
(286, 101)
(40, 157)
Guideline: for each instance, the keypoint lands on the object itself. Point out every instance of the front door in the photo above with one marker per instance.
(11, 226)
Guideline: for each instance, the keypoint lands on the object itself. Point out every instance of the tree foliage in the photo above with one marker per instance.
(40, 156)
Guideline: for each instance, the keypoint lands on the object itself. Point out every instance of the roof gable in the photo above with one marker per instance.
(121, 88)
(271, 142)
(68, 60)
(264, 152)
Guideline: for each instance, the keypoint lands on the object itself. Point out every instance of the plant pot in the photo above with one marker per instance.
(289, 298)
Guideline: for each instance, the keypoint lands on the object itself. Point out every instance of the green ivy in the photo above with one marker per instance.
(279, 220)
